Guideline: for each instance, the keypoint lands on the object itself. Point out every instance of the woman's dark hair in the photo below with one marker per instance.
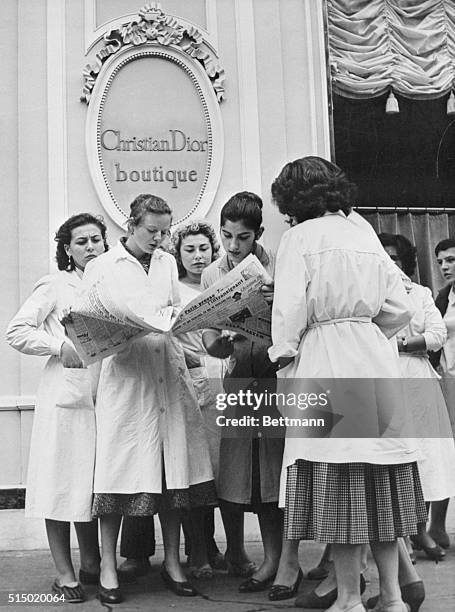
(406, 252)
(64, 234)
(146, 203)
(193, 228)
(243, 206)
(311, 186)
(447, 243)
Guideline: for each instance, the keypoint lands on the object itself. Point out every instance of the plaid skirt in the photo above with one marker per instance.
(352, 503)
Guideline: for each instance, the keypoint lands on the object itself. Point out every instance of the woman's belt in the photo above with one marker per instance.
(343, 320)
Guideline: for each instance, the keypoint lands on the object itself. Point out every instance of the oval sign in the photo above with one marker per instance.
(154, 126)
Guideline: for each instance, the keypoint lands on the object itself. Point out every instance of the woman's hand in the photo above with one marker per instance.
(69, 357)
(192, 360)
(219, 344)
(267, 292)
(65, 317)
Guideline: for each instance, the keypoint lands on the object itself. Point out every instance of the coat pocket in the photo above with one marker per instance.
(76, 389)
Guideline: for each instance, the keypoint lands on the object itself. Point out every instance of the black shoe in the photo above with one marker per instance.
(321, 602)
(183, 589)
(109, 596)
(412, 594)
(254, 586)
(70, 594)
(435, 553)
(279, 592)
(320, 572)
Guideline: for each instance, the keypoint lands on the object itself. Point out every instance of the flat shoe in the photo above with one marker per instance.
(278, 592)
(71, 594)
(183, 589)
(109, 596)
(254, 586)
(412, 594)
(322, 602)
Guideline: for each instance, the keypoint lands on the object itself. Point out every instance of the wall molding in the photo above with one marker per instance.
(318, 96)
(17, 402)
(56, 114)
(248, 96)
(94, 33)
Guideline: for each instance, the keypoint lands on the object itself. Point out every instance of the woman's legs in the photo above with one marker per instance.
(437, 528)
(194, 522)
(346, 559)
(58, 536)
(87, 537)
(407, 572)
(270, 523)
(233, 526)
(109, 526)
(288, 567)
(170, 526)
(386, 557)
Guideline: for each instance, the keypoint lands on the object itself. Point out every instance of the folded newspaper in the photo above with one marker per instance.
(100, 326)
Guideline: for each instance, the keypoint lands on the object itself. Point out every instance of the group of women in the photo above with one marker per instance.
(341, 308)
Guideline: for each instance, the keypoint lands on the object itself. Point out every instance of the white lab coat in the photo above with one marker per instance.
(426, 401)
(330, 269)
(62, 451)
(207, 380)
(146, 406)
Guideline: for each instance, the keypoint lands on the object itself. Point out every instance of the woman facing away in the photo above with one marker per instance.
(151, 454)
(249, 469)
(62, 451)
(336, 303)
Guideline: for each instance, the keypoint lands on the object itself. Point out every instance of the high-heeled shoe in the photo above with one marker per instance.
(412, 594)
(321, 602)
(278, 592)
(441, 538)
(435, 553)
(183, 589)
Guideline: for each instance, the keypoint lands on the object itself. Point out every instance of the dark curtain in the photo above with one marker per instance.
(424, 230)
(405, 159)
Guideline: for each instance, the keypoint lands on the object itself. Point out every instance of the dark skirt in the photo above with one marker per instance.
(147, 504)
(352, 503)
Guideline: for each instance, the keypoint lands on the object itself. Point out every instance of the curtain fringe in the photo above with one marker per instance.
(404, 209)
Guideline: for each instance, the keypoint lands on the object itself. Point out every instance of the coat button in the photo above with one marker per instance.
(160, 379)
(161, 410)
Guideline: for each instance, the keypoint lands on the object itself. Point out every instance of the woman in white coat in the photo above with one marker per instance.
(425, 332)
(151, 450)
(336, 303)
(195, 246)
(62, 451)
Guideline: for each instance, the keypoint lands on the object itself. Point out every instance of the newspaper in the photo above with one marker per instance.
(100, 325)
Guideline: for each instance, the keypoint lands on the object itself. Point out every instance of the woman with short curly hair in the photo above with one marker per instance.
(337, 301)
